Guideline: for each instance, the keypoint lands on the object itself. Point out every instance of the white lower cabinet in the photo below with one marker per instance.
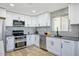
(28, 40)
(73, 13)
(2, 53)
(32, 39)
(68, 48)
(78, 49)
(36, 41)
(10, 43)
(54, 45)
(62, 47)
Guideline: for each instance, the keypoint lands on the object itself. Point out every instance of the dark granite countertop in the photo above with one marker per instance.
(71, 38)
(67, 38)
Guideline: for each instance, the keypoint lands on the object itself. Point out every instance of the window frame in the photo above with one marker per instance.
(60, 23)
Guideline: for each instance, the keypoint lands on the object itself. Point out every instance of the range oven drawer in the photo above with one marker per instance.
(20, 44)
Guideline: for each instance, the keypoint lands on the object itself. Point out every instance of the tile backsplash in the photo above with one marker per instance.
(9, 29)
(74, 31)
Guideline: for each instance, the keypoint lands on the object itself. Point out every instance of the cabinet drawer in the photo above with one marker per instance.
(68, 42)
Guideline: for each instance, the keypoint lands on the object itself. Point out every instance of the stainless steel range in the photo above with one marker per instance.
(20, 39)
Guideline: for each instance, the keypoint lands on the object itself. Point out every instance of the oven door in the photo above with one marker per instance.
(20, 44)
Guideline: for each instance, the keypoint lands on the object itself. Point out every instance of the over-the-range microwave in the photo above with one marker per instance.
(18, 23)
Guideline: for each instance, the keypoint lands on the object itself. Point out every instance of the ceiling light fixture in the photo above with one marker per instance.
(34, 11)
(12, 5)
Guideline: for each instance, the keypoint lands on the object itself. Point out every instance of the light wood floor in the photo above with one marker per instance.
(30, 51)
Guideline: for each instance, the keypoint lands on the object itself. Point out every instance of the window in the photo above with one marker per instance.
(57, 23)
(61, 23)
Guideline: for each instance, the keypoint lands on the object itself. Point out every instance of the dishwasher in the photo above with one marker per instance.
(43, 42)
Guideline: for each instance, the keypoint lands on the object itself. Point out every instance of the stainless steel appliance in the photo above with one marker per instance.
(18, 23)
(2, 36)
(20, 45)
(20, 39)
(43, 42)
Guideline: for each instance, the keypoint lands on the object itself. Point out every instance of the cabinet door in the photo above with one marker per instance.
(2, 12)
(44, 19)
(1, 28)
(48, 45)
(2, 53)
(41, 20)
(21, 17)
(56, 46)
(28, 40)
(78, 49)
(9, 19)
(28, 21)
(32, 39)
(15, 16)
(10, 43)
(33, 21)
(37, 40)
(68, 48)
(73, 13)
(38, 21)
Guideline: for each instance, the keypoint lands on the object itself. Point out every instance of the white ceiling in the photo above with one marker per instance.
(27, 8)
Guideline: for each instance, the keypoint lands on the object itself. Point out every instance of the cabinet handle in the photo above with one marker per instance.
(61, 45)
(29, 38)
(35, 38)
(52, 43)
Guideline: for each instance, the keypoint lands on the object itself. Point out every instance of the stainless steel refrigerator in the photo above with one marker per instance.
(2, 37)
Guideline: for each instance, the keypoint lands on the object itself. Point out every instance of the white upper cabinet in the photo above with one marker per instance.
(47, 19)
(74, 13)
(40, 20)
(2, 12)
(27, 21)
(22, 17)
(34, 21)
(15, 16)
(18, 17)
(9, 19)
(30, 21)
(44, 19)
